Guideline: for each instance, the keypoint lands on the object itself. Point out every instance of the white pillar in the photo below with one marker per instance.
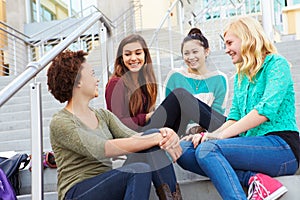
(38, 10)
(267, 8)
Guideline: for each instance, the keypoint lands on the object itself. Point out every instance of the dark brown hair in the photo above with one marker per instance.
(64, 73)
(195, 34)
(147, 80)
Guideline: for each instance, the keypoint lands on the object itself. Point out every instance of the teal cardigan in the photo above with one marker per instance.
(271, 93)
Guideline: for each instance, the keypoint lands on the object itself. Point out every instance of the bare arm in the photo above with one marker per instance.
(232, 128)
(251, 120)
(167, 139)
(123, 146)
(225, 126)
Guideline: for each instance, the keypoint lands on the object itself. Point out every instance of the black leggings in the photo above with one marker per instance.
(179, 108)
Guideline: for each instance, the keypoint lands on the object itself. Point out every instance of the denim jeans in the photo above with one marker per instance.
(161, 166)
(230, 163)
(129, 182)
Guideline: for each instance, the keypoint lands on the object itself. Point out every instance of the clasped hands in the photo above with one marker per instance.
(198, 138)
(170, 143)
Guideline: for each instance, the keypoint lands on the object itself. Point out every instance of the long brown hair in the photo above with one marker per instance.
(146, 78)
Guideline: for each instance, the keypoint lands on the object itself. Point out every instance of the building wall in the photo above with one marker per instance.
(113, 8)
(153, 12)
(291, 20)
(16, 17)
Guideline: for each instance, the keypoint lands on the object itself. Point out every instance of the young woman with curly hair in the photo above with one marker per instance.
(84, 140)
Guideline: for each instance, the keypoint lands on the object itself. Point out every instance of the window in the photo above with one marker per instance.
(46, 15)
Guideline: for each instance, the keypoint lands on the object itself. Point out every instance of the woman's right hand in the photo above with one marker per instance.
(194, 138)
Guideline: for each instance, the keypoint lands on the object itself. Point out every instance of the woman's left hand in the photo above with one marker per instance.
(170, 143)
(170, 138)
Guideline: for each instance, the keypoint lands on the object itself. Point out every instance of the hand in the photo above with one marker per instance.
(187, 137)
(170, 138)
(174, 152)
(211, 136)
(195, 138)
(170, 143)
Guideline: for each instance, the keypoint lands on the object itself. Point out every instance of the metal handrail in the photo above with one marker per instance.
(10, 33)
(6, 25)
(33, 68)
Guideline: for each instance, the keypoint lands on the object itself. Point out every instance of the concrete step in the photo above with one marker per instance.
(47, 196)
(22, 145)
(193, 186)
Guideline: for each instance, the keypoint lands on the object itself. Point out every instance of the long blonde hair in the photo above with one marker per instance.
(255, 45)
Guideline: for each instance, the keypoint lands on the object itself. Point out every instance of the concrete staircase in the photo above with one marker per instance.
(15, 130)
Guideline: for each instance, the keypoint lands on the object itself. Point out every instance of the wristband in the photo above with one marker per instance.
(202, 134)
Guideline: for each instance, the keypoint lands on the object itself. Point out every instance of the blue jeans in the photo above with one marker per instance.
(161, 166)
(129, 182)
(230, 163)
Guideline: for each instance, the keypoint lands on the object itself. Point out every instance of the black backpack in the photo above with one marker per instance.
(11, 167)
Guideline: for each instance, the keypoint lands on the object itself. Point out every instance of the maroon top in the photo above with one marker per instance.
(117, 102)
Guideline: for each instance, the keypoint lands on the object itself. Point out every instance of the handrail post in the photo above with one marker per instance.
(104, 61)
(37, 183)
(171, 42)
(159, 71)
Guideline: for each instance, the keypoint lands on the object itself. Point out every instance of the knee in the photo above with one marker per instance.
(205, 150)
(138, 167)
(188, 153)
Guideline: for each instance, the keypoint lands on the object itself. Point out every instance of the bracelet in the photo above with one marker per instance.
(202, 134)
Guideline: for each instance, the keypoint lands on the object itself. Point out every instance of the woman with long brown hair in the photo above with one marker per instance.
(132, 90)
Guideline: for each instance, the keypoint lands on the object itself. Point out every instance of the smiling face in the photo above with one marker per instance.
(133, 56)
(194, 54)
(88, 81)
(233, 47)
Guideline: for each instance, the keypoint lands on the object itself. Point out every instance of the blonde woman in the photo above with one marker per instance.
(260, 138)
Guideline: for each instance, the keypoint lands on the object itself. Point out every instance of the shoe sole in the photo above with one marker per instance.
(278, 193)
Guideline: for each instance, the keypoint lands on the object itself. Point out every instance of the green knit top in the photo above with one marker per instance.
(79, 151)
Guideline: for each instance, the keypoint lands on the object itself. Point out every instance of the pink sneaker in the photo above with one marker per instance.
(263, 187)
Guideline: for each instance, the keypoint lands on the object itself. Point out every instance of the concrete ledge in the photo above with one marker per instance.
(192, 186)
(50, 181)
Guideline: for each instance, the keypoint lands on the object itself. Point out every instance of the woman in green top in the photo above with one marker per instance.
(84, 139)
(260, 138)
(209, 86)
